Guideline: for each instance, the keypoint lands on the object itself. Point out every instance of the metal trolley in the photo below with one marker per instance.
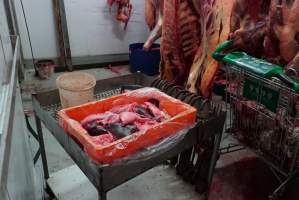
(264, 112)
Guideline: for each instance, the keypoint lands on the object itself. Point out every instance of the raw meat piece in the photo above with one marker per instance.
(191, 28)
(157, 113)
(124, 108)
(119, 131)
(249, 24)
(180, 39)
(282, 39)
(272, 38)
(94, 124)
(123, 11)
(124, 120)
(289, 44)
(132, 127)
(155, 102)
(150, 13)
(182, 34)
(143, 111)
(110, 118)
(128, 117)
(91, 118)
(103, 118)
(94, 129)
(103, 140)
(146, 124)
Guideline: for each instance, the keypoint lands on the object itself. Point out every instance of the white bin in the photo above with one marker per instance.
(75, 88)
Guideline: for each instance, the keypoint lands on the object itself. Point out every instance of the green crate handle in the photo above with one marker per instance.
(259, 67)
(218, 53)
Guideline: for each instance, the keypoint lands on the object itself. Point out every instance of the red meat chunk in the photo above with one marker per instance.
(124, 108)
(159, 115)
(128, 117)
(104, 139)
(103, 118)
(145, 124)
(122, 121)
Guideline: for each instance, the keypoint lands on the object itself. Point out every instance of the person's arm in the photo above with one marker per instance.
(157, 31)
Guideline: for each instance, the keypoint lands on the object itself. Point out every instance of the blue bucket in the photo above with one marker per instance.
(146, 62)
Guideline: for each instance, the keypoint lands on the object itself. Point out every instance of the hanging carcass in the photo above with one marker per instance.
(124, 9)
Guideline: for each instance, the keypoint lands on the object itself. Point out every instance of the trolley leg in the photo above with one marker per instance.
(203, 166)
(282, 188)
(102, 195)
(42, 146)
(214, 158)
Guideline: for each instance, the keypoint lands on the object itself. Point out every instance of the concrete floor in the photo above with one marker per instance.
(159, 183)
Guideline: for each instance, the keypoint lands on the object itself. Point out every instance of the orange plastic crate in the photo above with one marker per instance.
(182, 116)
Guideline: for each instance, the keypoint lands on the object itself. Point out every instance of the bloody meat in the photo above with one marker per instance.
(122, 121)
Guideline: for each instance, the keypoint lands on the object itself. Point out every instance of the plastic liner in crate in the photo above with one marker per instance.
(180, 118)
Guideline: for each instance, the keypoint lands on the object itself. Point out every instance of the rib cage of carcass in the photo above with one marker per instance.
(269, 124)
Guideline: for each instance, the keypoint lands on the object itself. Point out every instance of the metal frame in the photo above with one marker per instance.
(63, 36)
(276, 157)
(40, 151)
(8, 99)
(107, 177)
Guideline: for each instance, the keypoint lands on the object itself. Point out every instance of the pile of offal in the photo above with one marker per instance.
(122, 121)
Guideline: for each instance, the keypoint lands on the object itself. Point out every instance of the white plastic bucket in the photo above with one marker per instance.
(75, 88)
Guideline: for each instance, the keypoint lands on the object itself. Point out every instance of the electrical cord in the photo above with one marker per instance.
(28, 34)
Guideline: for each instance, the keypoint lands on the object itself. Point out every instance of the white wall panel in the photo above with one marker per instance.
(40, 20)
(92, 30)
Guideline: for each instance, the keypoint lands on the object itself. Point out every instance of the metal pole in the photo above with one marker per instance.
(57, 15)
(67, 47)
(62, 32)
(102, 195)
(17, 32)
(42, 146)
(214, 158)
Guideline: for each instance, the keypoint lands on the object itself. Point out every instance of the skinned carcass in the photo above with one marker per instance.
(178, 24)
(272, 38)
(214, 18)
(281, 44)
(180, 40)
(124, 9)
(242, 21)
(151, 11)
(191, 30)
(249, 24)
